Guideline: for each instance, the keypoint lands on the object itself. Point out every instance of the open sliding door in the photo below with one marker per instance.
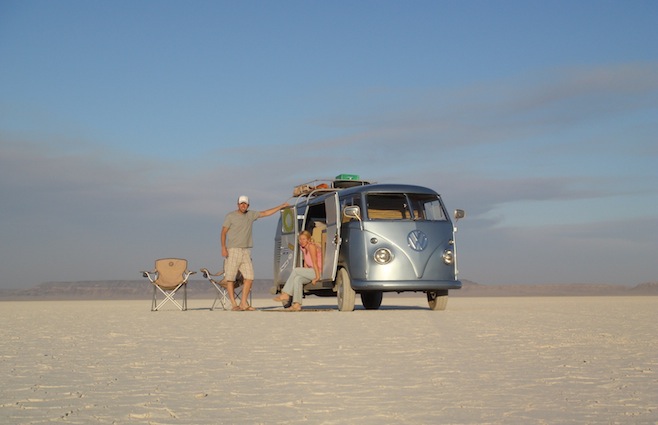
(287, 244)
(330, 262)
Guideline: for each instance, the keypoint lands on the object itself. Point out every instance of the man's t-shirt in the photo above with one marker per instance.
(239, 227)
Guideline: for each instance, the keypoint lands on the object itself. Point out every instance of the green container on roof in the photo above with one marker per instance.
(347, 177)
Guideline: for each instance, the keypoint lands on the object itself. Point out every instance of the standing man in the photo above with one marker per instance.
(237, 250)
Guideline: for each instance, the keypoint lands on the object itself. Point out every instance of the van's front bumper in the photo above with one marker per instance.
(404, 285)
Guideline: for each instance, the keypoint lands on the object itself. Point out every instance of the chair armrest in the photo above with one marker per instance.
(148, 274)
(187, 275)
(207, 274)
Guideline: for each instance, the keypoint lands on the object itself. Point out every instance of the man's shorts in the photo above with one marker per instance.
(238, 259)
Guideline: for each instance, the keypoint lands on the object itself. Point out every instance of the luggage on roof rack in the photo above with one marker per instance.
(342, 181)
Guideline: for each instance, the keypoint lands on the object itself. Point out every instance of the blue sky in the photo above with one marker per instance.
(129, 128)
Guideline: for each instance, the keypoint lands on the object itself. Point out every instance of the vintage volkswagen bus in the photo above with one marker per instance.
(375, 238)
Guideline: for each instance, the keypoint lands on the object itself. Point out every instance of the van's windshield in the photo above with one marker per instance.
(404, 206)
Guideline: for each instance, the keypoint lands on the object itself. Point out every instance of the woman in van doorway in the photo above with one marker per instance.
(310, 273)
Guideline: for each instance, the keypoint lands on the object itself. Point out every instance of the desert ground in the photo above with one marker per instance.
(520, 360)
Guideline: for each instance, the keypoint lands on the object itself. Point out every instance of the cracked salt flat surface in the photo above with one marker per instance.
(576, 360)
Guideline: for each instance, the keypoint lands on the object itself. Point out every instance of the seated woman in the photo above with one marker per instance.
(311, 272)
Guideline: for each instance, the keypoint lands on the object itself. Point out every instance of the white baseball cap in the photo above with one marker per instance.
(243, 199)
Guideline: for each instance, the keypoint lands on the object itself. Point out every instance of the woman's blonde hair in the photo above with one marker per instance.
(307, 234)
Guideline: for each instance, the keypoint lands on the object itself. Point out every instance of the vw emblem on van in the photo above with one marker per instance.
(417, 240)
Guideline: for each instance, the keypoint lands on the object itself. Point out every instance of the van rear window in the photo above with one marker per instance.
(401, 206)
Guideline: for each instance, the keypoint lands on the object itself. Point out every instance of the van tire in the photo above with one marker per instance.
(437, 300)
(345, 295)
(371, 300)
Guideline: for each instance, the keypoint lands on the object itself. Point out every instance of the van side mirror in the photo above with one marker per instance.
(352, 211)
(459, 214)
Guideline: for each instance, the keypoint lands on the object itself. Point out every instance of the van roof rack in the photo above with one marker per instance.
(314, 187)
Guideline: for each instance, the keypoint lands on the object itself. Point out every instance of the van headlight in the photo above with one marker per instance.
(448, 257)
(383, 256)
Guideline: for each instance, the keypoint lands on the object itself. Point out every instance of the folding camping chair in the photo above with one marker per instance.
(169, 276)
(220, 284)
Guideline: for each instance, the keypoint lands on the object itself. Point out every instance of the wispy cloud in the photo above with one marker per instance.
(65, 200)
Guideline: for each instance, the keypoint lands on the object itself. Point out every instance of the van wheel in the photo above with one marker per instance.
(344, 292)
(372, 300)
(437, 300)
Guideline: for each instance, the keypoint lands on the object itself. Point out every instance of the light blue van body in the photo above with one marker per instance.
(375, 238)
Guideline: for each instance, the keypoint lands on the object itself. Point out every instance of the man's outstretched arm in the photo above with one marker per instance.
(271, 211)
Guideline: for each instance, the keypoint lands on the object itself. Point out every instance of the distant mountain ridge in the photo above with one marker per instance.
(570, 289)
(114, 289)
(142, 289)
